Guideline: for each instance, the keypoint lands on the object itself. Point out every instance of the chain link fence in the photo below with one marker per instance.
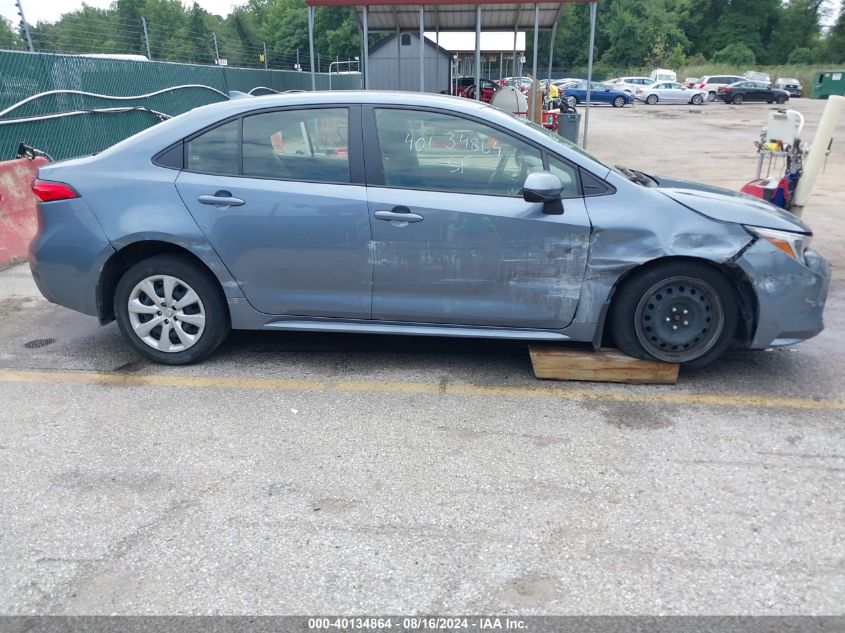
(71, 105)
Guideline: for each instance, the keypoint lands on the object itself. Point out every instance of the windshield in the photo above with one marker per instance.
(559, 139)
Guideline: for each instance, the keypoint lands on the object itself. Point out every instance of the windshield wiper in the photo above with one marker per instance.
(636, 176)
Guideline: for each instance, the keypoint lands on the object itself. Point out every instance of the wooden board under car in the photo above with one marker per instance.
(604, 365)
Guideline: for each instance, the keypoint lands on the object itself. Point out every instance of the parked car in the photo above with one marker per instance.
(523, 84)
(465, 87)
(690, 82)
(753, 75)
(670, 92)
(792, 86)
(662, 74)
(712, 83)
(629, 84)
(262, 213)
(752, 91)
(599, 93)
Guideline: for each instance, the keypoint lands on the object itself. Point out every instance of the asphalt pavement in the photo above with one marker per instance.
(313, 473)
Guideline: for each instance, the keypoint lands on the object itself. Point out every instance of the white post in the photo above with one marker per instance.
(589, 70)
(311, 45)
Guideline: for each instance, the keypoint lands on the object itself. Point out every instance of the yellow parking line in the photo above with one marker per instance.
(597, 394)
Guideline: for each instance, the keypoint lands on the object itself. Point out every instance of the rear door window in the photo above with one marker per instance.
(214, 151)
(311, 145)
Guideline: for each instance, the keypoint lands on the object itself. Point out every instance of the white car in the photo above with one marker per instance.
(629, 84)
(670, 92)
(663, 74)
(711, 83)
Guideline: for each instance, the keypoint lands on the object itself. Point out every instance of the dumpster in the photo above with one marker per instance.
(828, 82)
(568, 125)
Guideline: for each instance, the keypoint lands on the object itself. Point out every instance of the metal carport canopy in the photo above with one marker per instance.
(457, 15)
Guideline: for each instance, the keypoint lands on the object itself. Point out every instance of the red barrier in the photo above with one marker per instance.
(18, 221)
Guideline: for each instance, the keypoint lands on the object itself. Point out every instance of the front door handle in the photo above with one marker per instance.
(398, 214)
(223, 199)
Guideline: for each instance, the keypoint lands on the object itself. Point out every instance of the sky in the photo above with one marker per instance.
(51, 10)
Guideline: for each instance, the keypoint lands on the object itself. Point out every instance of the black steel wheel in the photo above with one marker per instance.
(680, 312)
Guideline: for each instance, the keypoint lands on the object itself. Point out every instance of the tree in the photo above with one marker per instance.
(747, 22)
(801, 55)
(797, 28)
(834, 43)
(8, 38)
(736, 54)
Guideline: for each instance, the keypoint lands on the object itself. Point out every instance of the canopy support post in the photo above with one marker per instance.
(366, 49)
(535, 84)
(552, 51)
(589, 71)
(478, 52)
(311, 45)
(422, 49)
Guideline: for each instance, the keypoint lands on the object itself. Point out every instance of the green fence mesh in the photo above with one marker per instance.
(91, 122)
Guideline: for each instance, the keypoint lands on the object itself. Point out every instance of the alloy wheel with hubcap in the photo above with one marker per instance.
(651, 100)
(166, 313)
(171, 309)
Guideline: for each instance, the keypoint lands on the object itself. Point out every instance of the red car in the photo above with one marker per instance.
(465, 87)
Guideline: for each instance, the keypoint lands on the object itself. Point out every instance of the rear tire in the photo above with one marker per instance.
(678, 312)
(651, 99)
(171, 310)
(711, 96)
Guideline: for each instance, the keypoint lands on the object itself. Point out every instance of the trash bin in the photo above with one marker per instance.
(568, 126)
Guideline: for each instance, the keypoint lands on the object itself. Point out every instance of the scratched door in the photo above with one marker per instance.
(453, 239)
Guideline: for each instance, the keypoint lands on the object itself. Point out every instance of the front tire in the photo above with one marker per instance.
(651, 99)
(697, 100)
(780, 100)
(171, 310)
(678, 312)
(619, 102)
(737, 100)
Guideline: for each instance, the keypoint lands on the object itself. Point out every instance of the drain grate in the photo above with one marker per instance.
(39, 342)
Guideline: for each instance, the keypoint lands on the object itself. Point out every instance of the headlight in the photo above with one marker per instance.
(793, 244)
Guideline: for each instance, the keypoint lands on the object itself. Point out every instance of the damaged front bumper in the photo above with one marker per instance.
(790, 295)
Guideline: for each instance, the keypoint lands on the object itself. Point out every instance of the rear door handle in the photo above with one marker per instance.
(398, 214)
(223, 199)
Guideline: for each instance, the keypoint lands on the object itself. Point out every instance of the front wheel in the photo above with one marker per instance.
(780, 100)
(171, 310)
(619, 102)
(651, 99)
(679, 312)
(737, 100)
(697, 100)
(572, 101)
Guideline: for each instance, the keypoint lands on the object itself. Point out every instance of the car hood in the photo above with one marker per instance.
(725, 205)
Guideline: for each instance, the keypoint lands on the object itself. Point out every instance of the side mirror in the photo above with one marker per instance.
(545, 187)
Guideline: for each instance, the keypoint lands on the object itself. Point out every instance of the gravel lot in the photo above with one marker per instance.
(304, 473)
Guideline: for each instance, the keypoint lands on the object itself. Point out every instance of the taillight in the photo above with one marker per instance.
(48, 191)
(701, 86)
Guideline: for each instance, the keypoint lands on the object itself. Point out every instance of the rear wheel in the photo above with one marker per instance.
(171, 310)
(711, 96)
(697, 99)
(737, 100)
(678, 312)
(651, 99)
(572, 101)
(619, 102)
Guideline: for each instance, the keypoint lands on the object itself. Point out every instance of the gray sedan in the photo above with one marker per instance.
(362, 212)
(670, 92)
